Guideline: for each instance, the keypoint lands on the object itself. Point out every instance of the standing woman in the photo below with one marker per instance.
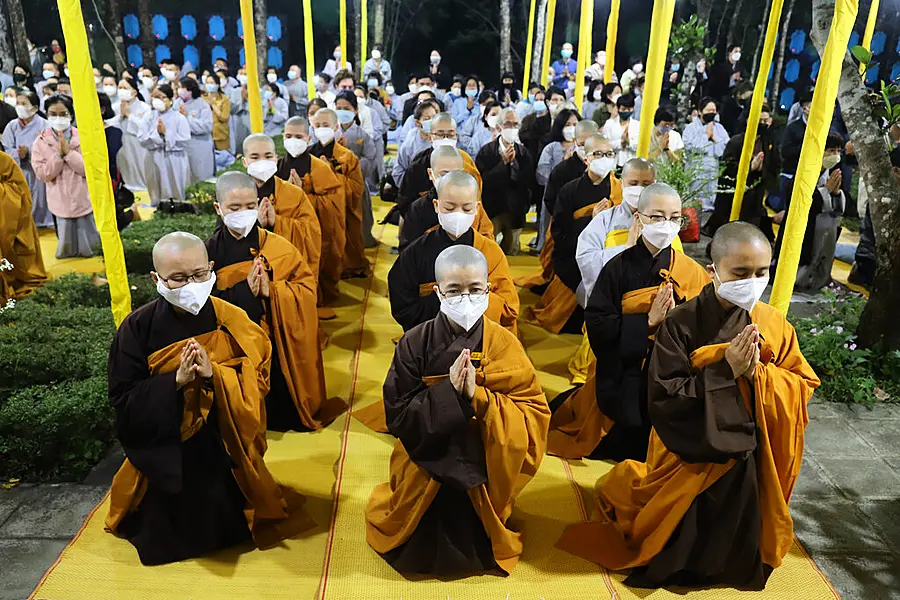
(57, 160)
(352, 137)
(201, 151)
(707, 138)
(133, 160)
(221, 110)
(240, 113)
(166, 134)
(380, 121)
(276, 109)
(18, 137)
(593, 100)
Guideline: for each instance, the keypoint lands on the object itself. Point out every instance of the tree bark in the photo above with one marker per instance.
(761, 39)
(688, 81)
(148, 43)
(704, 10)
(878, 324)
(17, 29)
(726, 12)
(505, 26)
(7, 52)
(735, 20)
(114, 25)
(378, 22)
(260, 14)
(779, 58)
(540, 30)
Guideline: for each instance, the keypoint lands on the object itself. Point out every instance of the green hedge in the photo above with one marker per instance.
(77, 289)
(138, 238)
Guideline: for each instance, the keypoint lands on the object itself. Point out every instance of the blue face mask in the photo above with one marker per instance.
(676, 67)
(426, 126)
(540, 106)
(345, 116)
(372, 83)
(567, 54)
(471, 93)
(292, 74)
(531, 98)
(268, 94)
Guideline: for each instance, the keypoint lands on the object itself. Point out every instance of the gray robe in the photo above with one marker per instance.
(133, 160)
(201, 149)
(239, 125)
(14, 136)
(169, 154)
(363, 147)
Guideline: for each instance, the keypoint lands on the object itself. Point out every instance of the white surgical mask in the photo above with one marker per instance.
(242, 79)
(492, 121)
(262, 170)
(614, 98)
(735, 56)
(169, 75)
(292, 75)
(11, 100)
(467, 312)
(110, 90)
(602, 166)
(413, 88)
(443, 142)
(569, 133)
(271, 77)
(744, 293)
(324, 135)
(372, 83)
(191, 297)
(24, 112)
(510, 136)
(390, 90)
(376, 54)
(295, 146)
(125, 95)
(268, 94)
(831, 161)
(211, 88)
(598, 94)
(49, 74)
(631, 195)
(456, 223)
(435, 59)
(158, 105)
(425, 88)
(337, 55)
(579, 150)
(555, 108)
(148, 82)
(660, 235)
(241, 222)
(60, 123)
(638, 68)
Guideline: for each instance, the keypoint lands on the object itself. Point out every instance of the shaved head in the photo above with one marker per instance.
(585, 128)
(179, 252)
(443, 119)
(656, 194)
(596, 142)
(732, 237)
(299, 124)
(257, 140)
(457, 182)
(460, 259)
(226, 183)
(325, 117)
(446, 158)
(638, 165)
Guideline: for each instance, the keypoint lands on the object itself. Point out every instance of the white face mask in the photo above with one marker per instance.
(598, 94)
(60, 123)
(831, 161)
(579, 150)
(376, 54)
(48, 74)
(569, 133)
(602, 166)
(241, 222)
(614, 98)
(744, 293)
(735, 56)
(148, 82)
(169, 75)
(337, 55)
(660, 235)
(262, 170)
(555, 108)
(456, 223)
(295, 146)
(24, 112)
(510, 136)
(390, 90)
(443, 142)
(110, 90)
(125, 95)
(191, 297)
(638, 68)
(271, 77)
(492, 121)
(11, 100)
(242, 79)
(467, 312)
(324, 134)
(413, 88)
(632, 194)
(158, 105)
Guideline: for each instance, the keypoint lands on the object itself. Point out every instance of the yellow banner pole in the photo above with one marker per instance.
(821, 112)
(584, 50)
(612, 32)
(310, 47)
(363, 34)
(660, 26)
(548, 41)
(94, 151)
(759, 94)
(588, 54)
(529, 49)
(870, 30)
(343, 19)
(250, 63)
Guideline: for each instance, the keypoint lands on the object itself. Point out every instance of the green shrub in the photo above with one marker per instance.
(57, 431)
(138, 239)
(77, 289)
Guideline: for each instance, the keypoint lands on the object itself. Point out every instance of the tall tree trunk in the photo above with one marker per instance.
(260, 14)
(537, 52)
(722, 28)
(735, 20)
(7, 52)
(358, 24)
(779, 58)
(688, 81)
(148, 43)
(379, 22)
(17, 27)
(505, 26)
(762, 38)
(114, 25)
(704, 10)
(878, 324)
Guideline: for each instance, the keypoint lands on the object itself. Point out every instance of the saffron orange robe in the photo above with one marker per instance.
(724, 455)
(416, 182)
(483, 450)
(295, 219)
(19, 242)
(328, 195)
(622, 341)
(297, 399)
(195, 479)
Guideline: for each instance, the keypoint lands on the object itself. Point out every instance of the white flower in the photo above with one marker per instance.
(5, 265)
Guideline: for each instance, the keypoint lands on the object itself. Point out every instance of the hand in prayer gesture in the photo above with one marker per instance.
(711, 131)
(462, 374)
(254, 278)
(262, 277)
(601, 206)
(244, 93)
(266, 213)
(23, 152)
(834, 182)
(634, 232)
(743, 352)
(63, 145)
(625, 134)
(297, 180)
(509, 155)
(124, 109)
(662, 304)
(186, 372)
(202, 364)
(673, 77)
(663, 140)
(160, 127)
(182, 109)
(757, 162)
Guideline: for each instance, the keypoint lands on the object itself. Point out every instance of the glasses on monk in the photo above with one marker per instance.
(444, 136)
(610, 154)
(680, 221)
(454, 297)
(178, 280)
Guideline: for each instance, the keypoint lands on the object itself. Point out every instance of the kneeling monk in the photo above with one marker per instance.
(466, 405)
(727, 399)
(411, 279)
(19, 243)
(607, 417)
(188, 375)
(265, 275)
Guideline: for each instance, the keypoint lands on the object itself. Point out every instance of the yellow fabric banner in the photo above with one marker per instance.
(584, 48)
(343, 19)
(759, 95)
(870, 30)
(548, 42)
(310, 47)
(251, 64)
(363, 34)
(660, 26)
(612, 33)
(809, 167)
(96, 157)
(529, 49)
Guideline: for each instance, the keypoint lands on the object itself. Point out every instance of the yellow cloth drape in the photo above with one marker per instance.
(612, 33)
(529, 49)
(363, 33)
(310, 47)
(660, 26)
(810, 165)
(548, 41)
(251, 64)
(759, 94)
(96, 157)
(343, 20)
(584, 48)
(870, 30)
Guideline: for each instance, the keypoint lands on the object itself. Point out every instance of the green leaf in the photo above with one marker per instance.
(861, 54)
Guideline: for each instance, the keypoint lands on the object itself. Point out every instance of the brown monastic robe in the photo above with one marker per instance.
(483, 450)
(19, 242)
(710, 504)
(295, 219)
(421, 218)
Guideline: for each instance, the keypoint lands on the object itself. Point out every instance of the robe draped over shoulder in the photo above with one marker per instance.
(347, 166)
(19, 242)
(296, 221)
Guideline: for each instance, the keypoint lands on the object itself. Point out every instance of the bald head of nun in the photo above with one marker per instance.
(638, 172)
(461, 270)
(659, 199)
(739, 250)
(260, 148)
(443, 130)
(596, 143)
(324, 118)
(585, 129)
(457, 191)
(296, 127)
(235, 191)
(178, 256)
(444, 159)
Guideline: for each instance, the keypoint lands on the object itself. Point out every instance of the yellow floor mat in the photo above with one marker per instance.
(337, 468)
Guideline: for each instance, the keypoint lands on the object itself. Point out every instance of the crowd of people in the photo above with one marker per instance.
(684, 378)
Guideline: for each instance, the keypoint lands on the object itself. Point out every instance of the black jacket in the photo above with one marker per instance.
(506, 189)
